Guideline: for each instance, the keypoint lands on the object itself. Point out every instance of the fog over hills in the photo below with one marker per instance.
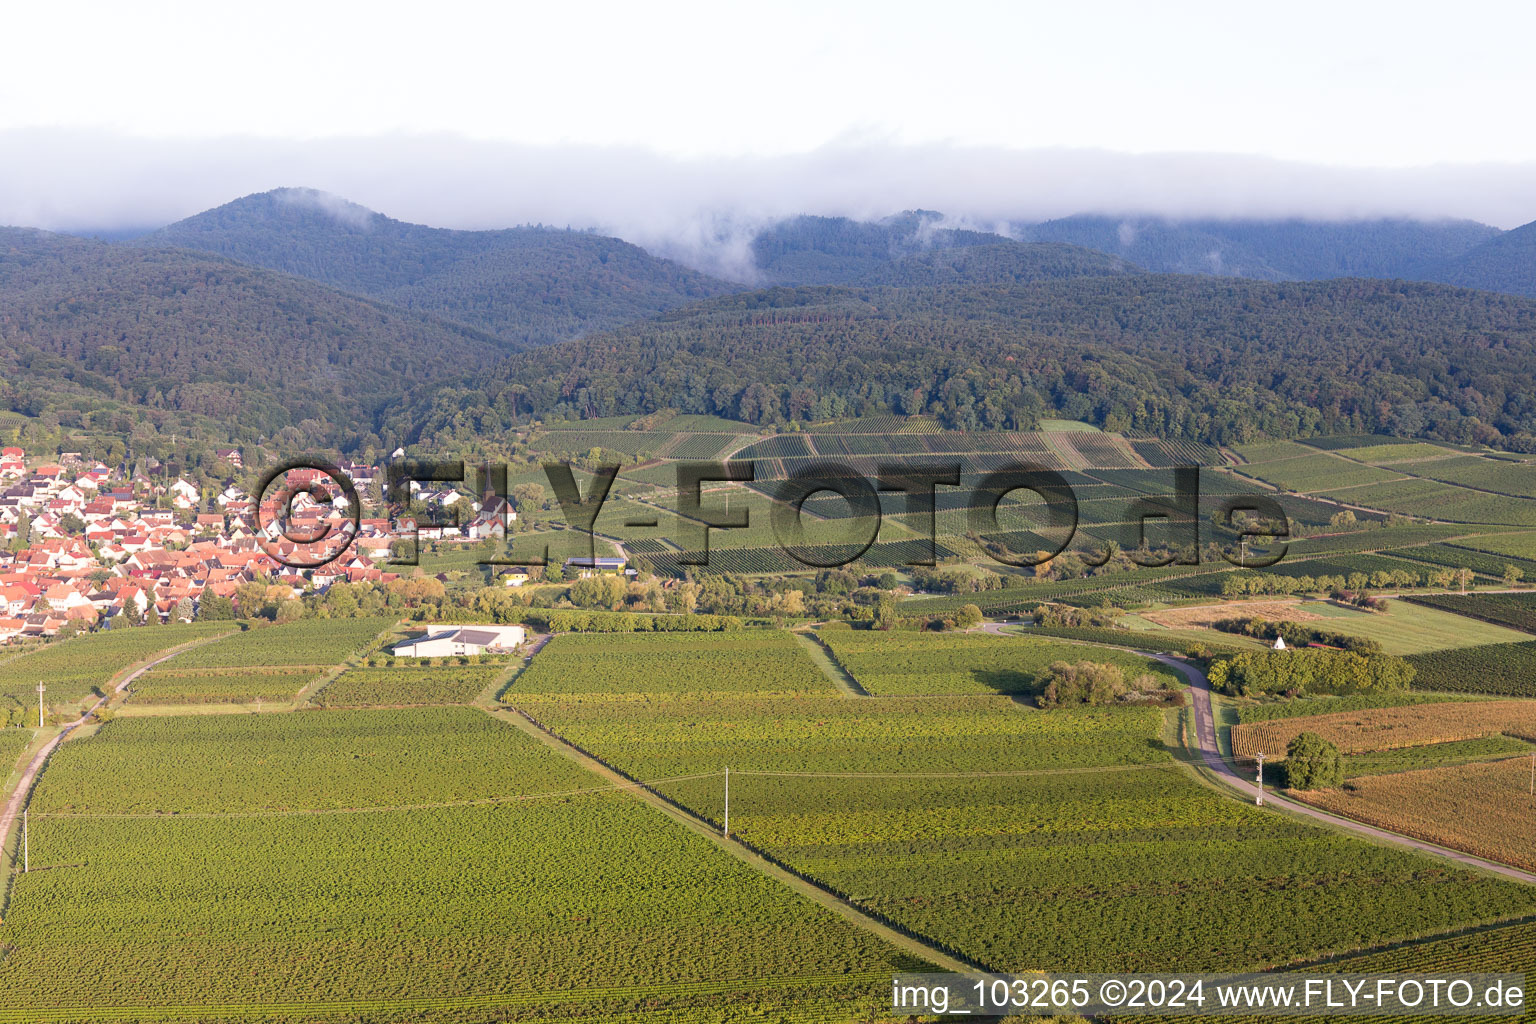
(535, 285)
(528, 285)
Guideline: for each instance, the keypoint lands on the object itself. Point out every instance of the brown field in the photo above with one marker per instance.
(1390, 728)
(1484, 809)
(1202, 616)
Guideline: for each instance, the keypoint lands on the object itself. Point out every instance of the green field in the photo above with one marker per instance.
(175, 685)
(1520, 545)
(1316, 472)
(1380, 453)
(1434, 500)
(404, 686)
(1505, 669)
(75, 667)
(1473, 471)
(1411, 628)
(1113, 866)
(322, 642)
(1434, 755)
(1305, 707)
(904, 664)
(636, 665)
(546, 904)
(1517, 611)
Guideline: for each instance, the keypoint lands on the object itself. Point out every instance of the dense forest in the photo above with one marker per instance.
(1002, 263)
(141, 342)
(1216, 359)
(122, 340)
(529, 286)
(1505, 263)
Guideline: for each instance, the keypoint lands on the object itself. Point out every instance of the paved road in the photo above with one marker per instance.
(1210, 752)
(24, 787)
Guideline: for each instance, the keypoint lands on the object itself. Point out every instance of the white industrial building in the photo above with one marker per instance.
(443, 641)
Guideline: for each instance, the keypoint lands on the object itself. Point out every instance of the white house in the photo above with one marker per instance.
(183, 494)
(442, 641)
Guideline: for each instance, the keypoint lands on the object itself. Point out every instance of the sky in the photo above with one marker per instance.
(693, 119)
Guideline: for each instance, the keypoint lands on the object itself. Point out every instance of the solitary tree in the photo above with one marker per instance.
(1312, 762)
(967, 617)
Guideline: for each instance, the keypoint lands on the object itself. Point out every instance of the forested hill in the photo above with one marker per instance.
(1002, 263)
(530, 286)
(838, 250)
(1506, 263)
(164, 342)
(1280, 250)
(1220, 359)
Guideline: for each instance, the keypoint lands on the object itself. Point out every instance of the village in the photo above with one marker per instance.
(84, 545)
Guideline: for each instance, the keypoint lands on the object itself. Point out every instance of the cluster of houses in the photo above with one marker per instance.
(81, 542)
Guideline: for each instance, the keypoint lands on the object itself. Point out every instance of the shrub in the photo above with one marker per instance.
(1311, 762)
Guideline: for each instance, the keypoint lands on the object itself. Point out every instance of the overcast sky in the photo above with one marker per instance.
(681, 117)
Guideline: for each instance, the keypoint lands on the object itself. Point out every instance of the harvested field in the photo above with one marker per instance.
(1485, 809)
(1389, 728)
(1203, 616)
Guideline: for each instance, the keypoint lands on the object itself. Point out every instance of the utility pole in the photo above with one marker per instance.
(1243, 559)
(1533, 773)
(726, 831)
(40, 689)
(1260, 800)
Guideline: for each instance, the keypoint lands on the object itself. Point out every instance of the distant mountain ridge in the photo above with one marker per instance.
(802, 251)
(1504, 263)
(1279, 250)
(528, 285)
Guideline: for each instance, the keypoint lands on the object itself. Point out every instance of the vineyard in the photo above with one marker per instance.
(75, 667)
(1455, 556)
(1342, 442)
(1431, 499)
(1413, 725)
(396, 910)
(220, 686)
(741, 661)
(1400, 451)
(1316, 472)
(1515, 610)
(1484, 474)
(1503, 949)
(1113, 865)
(1304, 707)
(1483, 808)
(321, 642)
(390, 687)
(1501, 669)
(1434, 755)
(295, 761)
(13, 743)
(1520, 545)
(1176, 453)
(891, 664)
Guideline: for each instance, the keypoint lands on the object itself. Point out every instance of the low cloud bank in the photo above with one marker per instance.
(706, 211)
